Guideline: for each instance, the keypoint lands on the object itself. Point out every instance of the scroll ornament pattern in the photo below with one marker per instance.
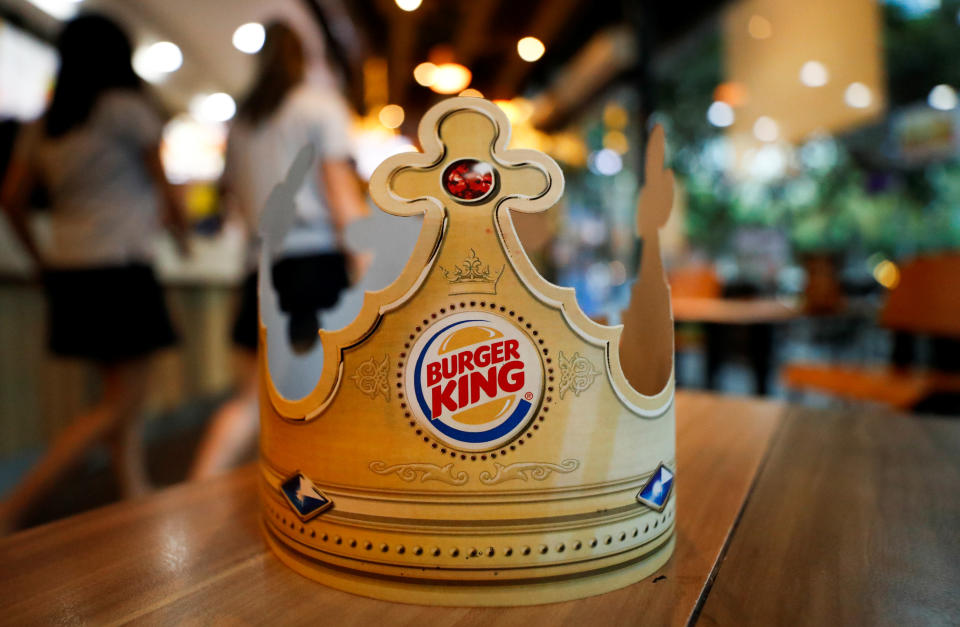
(371, 377)
(524, 471)
(576, 373)
(423, 472)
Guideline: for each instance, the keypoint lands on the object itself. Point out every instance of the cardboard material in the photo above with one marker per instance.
(646, 346)
(474, 430)
(295, 374)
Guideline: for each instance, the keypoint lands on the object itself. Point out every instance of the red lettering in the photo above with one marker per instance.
(466, 361)
(463, 388)
(433, 373)
(511, 349)
(449, 373)
(443, 398)
(510, 383)
(488, 384)
(481, 357)
(497, 356)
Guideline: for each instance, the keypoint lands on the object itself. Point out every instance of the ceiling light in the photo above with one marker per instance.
(450, 78)
(471, 93)
(720, 114)
(62, 10)
(814, 74)
(409, 5)
(424, 72)
(530, 49)
(218, 107)
(766, 129)
(942, 97)
(152, 63)
(858, 96)
(249, 37)
(391, 116)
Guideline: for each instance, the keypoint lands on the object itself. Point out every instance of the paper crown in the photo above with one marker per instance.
(473, 438)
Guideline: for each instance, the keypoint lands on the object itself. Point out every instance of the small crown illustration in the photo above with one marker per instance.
(472, 438)
(472, 276)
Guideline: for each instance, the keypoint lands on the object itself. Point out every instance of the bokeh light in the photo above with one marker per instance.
(858, 96)
(759, 27)
(391, 116)
(720, 114)
(249, 37)
(154, 62)
(942, 97)
(424, 73)
(530, 49)
(218, 107)
(449, 78)
(814, 74)
(409, 5)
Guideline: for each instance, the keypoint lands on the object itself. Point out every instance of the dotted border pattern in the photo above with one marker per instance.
(663, 519)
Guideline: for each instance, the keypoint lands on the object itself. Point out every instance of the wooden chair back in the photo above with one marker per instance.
(927, 299)
(695, 281)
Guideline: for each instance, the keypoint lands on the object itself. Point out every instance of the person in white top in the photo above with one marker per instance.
(97, 151)
(281, 114)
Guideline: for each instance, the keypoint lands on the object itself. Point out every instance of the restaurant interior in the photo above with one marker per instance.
(813, 249)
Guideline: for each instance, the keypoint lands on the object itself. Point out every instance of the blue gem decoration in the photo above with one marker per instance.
(304, 497)
(656, 490)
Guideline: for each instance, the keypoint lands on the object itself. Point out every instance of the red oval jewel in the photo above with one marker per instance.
(468, 179)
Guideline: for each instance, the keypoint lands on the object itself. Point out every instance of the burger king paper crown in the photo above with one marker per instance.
(474, 438)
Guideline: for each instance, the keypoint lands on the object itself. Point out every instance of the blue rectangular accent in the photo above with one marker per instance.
(304, 497)
(656, 490)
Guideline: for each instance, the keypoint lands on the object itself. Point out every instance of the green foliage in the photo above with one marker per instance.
(827, 196)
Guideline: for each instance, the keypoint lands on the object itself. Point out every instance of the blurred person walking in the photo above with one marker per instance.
(97, 151)
(282, 113)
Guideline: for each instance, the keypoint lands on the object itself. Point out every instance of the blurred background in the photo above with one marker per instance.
(813, 245)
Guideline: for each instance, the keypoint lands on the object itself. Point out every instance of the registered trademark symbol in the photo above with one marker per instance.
(528, 396)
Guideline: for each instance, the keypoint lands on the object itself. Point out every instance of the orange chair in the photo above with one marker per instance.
(695, 281)
(925, 302)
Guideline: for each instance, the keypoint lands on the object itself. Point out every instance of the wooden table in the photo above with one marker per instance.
(785, 516)
(737, 325)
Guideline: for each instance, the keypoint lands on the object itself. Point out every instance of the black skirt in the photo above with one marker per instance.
(109, 314)
(305, 285)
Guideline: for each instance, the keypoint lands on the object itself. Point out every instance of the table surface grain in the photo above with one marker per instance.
(851, 518)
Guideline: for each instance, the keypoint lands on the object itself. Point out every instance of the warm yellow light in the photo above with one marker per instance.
(530, 49)
(450, 78)
(518, 110)
(391, 116)
(615, 116)
(424, 73)
(470, 93)
(759, 27)
(408, 5)
(887, 274)
(616, 141)
(570, 149)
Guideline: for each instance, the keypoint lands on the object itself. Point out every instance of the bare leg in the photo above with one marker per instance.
(122, 396)
(126, 440)
(233, 429)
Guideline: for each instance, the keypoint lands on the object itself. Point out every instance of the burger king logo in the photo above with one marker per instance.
(475, 380)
